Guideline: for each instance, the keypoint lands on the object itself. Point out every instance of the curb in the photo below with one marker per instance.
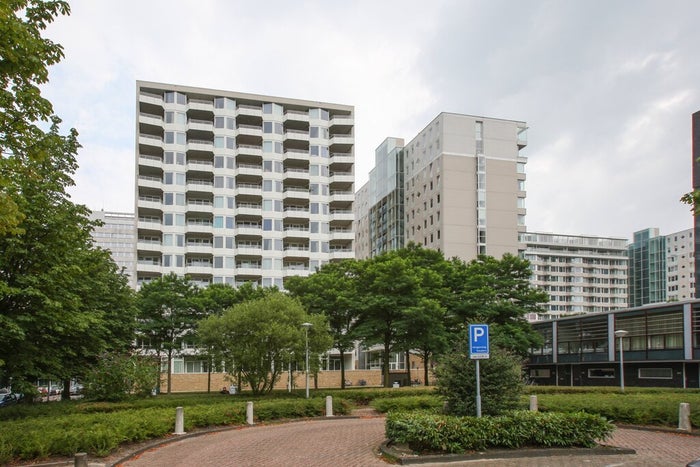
(404, 456)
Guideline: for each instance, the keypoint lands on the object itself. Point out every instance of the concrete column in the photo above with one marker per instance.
(684, 417)
(533, 403)
(179, 421)
(329, 406)
(81, 460)
(249, 413)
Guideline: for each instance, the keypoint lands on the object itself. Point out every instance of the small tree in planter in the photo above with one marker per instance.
(500, 378)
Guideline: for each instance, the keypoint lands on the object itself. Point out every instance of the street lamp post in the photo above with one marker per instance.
(620, 334)
(306, 327)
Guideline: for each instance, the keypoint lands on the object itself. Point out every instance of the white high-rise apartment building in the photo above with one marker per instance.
(118, 235)
(234, 188)
(464, 186)
(581, 274)
(680, 266)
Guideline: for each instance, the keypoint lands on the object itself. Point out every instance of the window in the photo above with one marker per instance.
(540, 373)
(601, 373)
(655, 373)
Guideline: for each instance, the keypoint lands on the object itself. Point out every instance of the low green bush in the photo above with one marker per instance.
(424, 432)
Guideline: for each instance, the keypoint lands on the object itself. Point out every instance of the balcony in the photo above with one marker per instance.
(150, 181)
(150, 140)
(248, 249)
(146, 160)
(199, 269)
(249, 209)
(341, 233)
(199, 247)
(144, 245)
(251, 189)
(296, 251)
(343, 195)
(296, 115)
(297, 135)
(148, 265)
(250, 110)
(296, 155)
(293, 192)
(249, 228)
(250, 149)
(204, 145)
(248, 268)
(249, 169)
(204, 186)
(342, 157)
(202, 125)
(296, 231)
(200, 205)
(342, 177)
(150, 202)
(296, 271)
(296, 173)
(342, 253)
(345, 140)
(200, 165)
(150, 119)
(150, 98)
(199, 226)
(342, 120)
(206, 105)
(342, 215)
(250, 130)
(296, 212)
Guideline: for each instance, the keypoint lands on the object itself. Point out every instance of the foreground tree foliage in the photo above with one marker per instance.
(62, 300)
(332, 292)
(119, 376)
(168, 311)
(259, 338)
(24, 60)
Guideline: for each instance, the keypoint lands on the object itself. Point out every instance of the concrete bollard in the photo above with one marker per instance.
(533, 403)
(81, 460)
(684, 417)
(249, 413)
(329, 406)
(179, 421)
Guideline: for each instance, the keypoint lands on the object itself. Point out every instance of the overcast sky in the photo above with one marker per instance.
(607, 87)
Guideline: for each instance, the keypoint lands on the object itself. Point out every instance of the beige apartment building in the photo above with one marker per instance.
(680, 266)
(463, 189)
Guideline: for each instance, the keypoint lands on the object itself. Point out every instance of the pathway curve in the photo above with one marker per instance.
(340, 442)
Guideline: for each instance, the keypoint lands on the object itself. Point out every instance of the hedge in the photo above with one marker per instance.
(424, 432)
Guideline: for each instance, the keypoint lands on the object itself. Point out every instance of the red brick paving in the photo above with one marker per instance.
(355, 441)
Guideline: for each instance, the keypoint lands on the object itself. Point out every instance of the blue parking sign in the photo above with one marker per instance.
(478, 341)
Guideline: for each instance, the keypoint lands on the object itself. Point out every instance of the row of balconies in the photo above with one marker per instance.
(207, 105)
(207, 145)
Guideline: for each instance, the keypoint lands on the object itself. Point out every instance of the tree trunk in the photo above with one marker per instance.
(170, 369)
(426, 362)
(385, 366)
(408, 366)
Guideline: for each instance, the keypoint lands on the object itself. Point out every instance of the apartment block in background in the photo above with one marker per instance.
(647, 268)
(235, 188)
(581, 274)
(118, 235)
(695, 152)
(379, 208)
(463, 189)
(680, 266)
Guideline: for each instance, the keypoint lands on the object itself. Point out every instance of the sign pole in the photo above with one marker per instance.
(478, 391)
(478, 349)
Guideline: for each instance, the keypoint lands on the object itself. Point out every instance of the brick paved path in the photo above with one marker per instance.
(354, 442)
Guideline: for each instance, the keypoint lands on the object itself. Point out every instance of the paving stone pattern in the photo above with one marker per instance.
(354, 442)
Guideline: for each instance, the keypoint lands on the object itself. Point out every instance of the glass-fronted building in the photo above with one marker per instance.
(661, 347)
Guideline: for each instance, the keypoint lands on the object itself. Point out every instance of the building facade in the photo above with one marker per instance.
(379, 211)
(695, 153)
(463, 191)
(680, 266)
(235, 188)
(118, 235)
(647, 267)
(581, 274)
(661, 347)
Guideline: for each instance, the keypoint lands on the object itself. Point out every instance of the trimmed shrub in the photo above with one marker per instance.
(424, 432)
(406, 403)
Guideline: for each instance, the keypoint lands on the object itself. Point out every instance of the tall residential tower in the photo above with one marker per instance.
(234, 188)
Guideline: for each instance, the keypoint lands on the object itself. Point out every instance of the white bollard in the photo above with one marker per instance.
(684, 417)
(179, 421)
(249, 413)
(329, 406)
(533, 403)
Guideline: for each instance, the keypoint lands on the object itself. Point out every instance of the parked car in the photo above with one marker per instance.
(8, 399)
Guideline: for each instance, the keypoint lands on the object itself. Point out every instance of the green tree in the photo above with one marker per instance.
(168, 313)
(62, 301)
(258, 338)
(497, 292)
(332, 292)
(500, 380)
(24, 60)
(118, 376)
